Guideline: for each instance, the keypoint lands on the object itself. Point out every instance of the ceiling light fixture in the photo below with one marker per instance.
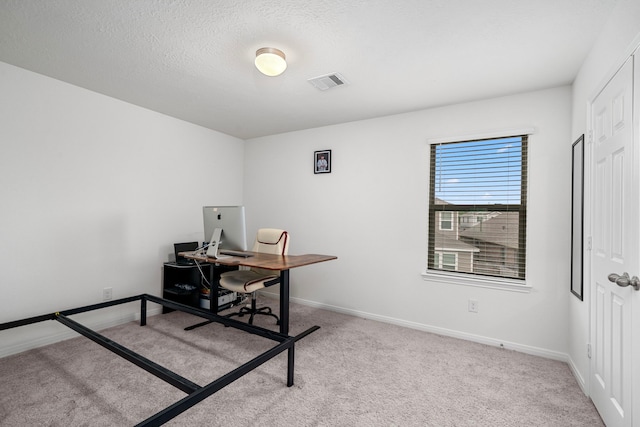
(270, 61)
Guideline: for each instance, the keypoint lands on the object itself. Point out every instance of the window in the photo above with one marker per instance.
(446, 261)
(446, 222)
(479, 188)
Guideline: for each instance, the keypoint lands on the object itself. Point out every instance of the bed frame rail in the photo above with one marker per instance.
(195, 392)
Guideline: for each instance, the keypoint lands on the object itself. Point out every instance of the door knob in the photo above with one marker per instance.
(625, 280)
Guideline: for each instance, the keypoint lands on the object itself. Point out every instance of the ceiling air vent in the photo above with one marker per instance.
(328, 81)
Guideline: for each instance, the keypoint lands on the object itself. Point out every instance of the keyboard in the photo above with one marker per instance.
(236, 253)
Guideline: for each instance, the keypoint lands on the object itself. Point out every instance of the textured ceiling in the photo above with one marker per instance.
(193, 59)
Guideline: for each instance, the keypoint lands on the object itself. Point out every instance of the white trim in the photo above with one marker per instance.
(457, 250)
(629, 52)
(452, 278)
(522, 348)
(576, 373)
(68, 333)
(502, 133)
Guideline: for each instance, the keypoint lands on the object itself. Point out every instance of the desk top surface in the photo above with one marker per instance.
(266, 261)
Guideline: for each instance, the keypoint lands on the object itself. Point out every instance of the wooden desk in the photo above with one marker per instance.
(281, 263)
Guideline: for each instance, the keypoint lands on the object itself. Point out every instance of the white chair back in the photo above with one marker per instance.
(272, 241)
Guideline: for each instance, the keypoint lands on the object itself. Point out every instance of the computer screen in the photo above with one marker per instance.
(230, 219)
(184, 247)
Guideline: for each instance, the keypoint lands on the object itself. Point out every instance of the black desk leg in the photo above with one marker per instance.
(143, 311)
(290, 365)
(284, 302)
(284, 321)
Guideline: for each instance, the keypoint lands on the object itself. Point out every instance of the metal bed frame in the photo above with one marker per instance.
(195, 392)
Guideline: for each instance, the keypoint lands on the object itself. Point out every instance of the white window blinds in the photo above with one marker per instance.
(479, 186)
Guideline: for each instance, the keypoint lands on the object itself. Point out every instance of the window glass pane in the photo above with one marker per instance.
(449, 261)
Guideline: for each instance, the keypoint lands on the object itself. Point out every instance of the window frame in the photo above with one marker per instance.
(471, 279)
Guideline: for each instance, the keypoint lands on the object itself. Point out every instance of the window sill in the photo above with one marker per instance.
(481, 282)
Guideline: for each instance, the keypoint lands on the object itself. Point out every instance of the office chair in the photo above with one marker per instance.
(270, 241)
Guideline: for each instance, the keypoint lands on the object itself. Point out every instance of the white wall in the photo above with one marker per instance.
(90, 199)
(371, 212)
(620, 35)
(94, 193)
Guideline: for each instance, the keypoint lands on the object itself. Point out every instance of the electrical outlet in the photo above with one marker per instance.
(107, 294)
(473, 306)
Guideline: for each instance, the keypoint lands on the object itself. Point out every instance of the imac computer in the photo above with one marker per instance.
(225, 230)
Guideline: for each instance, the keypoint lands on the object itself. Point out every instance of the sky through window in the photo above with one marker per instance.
(484, 172)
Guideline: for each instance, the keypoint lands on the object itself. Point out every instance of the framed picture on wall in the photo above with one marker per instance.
(322, 161)
(577, 216)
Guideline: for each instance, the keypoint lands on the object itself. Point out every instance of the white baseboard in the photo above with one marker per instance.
(30, 344)
(579, 378)
(535, 351)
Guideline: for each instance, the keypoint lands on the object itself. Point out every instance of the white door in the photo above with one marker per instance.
(615, 248)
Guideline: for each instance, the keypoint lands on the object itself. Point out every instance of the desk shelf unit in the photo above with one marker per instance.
(185, 284)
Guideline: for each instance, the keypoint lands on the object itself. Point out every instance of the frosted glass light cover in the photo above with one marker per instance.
(270, 61)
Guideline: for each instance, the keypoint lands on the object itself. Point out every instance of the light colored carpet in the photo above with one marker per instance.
(351, 372)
